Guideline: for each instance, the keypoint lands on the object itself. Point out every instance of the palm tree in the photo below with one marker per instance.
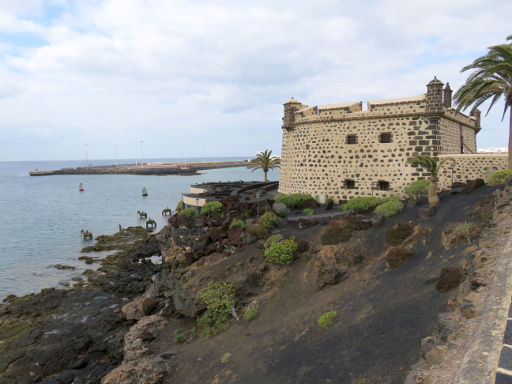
(431, 165)
(491, 79)
(264, 160)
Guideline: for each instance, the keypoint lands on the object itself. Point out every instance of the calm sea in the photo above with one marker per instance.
(41, 217)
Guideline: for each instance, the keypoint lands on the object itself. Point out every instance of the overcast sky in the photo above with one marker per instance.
(208, 78)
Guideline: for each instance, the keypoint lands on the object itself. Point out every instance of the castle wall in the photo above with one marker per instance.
(317, 159)
(470, 167)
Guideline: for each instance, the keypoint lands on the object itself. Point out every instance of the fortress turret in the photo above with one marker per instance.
(290, 107)
(447, 95)
(476, 114)
(434, 96)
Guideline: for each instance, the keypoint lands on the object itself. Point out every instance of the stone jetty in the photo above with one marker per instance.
(154, 168)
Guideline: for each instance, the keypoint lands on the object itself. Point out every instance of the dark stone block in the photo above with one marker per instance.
(506, 358)
(503, 379)
(510, 311)
(507, 339)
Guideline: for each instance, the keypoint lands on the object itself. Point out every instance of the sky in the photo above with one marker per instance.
(196, 78)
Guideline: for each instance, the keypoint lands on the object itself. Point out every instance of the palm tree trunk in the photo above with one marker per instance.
(433, 200)
(265, 172)
(510, 141)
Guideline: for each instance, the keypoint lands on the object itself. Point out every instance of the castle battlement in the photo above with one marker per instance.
(342, 151)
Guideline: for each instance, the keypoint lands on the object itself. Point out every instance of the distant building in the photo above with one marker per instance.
(341, 151)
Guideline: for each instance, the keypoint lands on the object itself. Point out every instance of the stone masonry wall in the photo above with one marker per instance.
(337, 150)
(470, 167)
(317, 159)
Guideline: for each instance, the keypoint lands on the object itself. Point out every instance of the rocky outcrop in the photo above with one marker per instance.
(140, 365)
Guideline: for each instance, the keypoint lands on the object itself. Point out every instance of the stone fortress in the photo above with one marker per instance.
(342, 151)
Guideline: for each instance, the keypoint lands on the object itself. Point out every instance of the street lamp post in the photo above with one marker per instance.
(86, 157)
(141, 154)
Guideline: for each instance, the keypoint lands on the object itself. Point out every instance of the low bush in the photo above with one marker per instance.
(181, 206)
(178, 336)
(399, 232)
(293, 200)
(282, 214)
(396, 256)
(226, 358)
(189, 212)
(327, 319)
(308, 211)
(417, 189)
(219, 299)
(250, 314)
(274, 239)
(500, 177)
(337, 232)
(246, 213)
(281, 252)
(268, 220)
(257, 230)
(237, 223)
(212, 209)
(361, 204)
(390, 208)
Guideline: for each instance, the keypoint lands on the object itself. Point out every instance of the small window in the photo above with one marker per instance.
(350, 184)
(385, 138)
(352, 139)
(383, 185)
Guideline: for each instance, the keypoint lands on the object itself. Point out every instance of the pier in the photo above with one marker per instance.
(153, 168)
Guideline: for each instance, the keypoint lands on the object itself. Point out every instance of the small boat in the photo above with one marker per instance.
(81, 187)
(144, 192)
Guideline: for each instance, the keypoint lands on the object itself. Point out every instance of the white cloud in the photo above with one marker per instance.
(190, 77)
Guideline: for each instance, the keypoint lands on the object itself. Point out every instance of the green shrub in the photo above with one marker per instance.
(293, 200)
(212, 209)
(268, 220)
(390, 208)
(361, 204)
(258, 231)
(282, 214)
(250, 314)
(237, 223)
(181, 206)
(226, 358)
(327, 319)
(399, 232)
(396, 256)
(246, 213)
(466, 229)
(281, 252)
(178, 336)
(219, 299)
(337, 232)
(189, 212)
(417, 189)
(500, 177)
(308, 211)
(274, 239)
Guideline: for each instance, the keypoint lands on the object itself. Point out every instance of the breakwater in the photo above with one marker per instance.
(153, 168)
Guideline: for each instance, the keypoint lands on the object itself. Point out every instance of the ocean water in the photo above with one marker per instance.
(41, 217)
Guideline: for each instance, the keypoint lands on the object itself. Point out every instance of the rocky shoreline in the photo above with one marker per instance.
(133, 321)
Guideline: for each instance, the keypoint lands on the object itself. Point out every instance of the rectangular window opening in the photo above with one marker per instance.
(350, 184)
(385, 138)
(383, 185)
(352, 139)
